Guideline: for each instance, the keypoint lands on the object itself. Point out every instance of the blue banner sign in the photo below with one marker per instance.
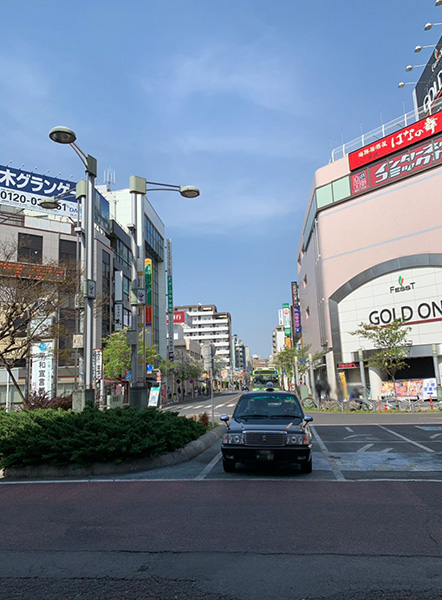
(26, 190)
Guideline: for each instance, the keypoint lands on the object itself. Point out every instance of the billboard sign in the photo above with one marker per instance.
(26, 190)
(429, 87)
(398, 166)
(403, 138)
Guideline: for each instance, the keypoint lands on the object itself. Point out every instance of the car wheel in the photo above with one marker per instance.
(228, 465)
(307, 467)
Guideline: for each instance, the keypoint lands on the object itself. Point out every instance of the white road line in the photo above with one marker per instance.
(385, 450)
(331, 461)
(209, 467)
(364, 448)
(219, 405)
(435, 435)
(230, 405)
(349, 429)
(406, 439)
(199, 406)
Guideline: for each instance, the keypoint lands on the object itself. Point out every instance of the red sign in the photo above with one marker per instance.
(407, 163)
(359, 182)
(403, 138)
(179, 316)
(148, 316)
(351, 365)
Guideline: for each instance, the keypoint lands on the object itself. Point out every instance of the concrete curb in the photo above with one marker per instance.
(189, 451)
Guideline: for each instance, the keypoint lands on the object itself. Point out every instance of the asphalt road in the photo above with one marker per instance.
(367, 523)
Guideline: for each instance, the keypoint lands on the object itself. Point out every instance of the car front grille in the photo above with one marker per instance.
(264, 438)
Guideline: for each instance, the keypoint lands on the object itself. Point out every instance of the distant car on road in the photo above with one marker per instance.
(267, 426)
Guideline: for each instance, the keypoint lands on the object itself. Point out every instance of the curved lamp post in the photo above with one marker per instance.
(85, 193)
(138, 187)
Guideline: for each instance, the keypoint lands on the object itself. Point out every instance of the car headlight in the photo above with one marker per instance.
(233, 438)
(297, 439)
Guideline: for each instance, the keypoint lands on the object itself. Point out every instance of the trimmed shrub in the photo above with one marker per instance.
(66, 438)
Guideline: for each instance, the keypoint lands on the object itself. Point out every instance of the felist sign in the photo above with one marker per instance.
(413, 295)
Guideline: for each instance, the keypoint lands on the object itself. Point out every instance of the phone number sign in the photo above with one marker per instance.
(26, 190)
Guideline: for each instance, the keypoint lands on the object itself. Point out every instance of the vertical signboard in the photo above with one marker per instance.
(42, 365)
(148, 287)
(297, 320)
(295, 294)
(97, 364)
(170, 297)
(286, 320)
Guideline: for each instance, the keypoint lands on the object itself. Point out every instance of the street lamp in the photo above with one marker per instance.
(402, 84)
(138, 189)
(64, 135)
(409, 68)
(419, 48)
(428, 26)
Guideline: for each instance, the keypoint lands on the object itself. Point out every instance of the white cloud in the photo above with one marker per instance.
(225, 211)
(246, 71)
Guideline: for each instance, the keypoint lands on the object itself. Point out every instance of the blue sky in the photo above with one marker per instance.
(242, 98)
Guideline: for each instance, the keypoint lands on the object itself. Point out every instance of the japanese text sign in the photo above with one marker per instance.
(403, 138)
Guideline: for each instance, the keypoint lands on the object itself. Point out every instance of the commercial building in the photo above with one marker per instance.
(370, 251)
(153, 235)
(207, 325)
(41, 235)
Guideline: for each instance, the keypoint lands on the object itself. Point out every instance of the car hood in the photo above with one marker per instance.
(261, 425)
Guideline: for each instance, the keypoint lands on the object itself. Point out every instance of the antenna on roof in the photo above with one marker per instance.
(109, 178)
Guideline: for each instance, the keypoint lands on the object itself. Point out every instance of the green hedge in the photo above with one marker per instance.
(66, 438)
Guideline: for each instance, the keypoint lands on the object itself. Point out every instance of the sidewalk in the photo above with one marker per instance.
(188, 399)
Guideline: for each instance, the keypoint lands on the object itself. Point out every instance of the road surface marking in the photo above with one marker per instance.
(435, 435)
(364, 448)
(230, 405)
(406, 439)
(385, 450)
(331, 461)
(349, 429)
(209, 467)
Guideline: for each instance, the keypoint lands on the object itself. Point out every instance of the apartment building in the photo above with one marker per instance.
(207, 325)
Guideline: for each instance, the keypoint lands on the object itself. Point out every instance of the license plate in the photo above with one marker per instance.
(264, 455)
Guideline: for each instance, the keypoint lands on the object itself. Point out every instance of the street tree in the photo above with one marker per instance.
(287, 358)
(183, 368)
(36, 302)
(392, 346)
(117, 354)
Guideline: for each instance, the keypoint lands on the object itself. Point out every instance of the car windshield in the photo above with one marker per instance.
(268, 405)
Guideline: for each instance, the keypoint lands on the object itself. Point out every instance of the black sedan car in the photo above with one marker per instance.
(267, 426)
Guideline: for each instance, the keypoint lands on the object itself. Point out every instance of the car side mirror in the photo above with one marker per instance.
(224, 418)
(308, 419)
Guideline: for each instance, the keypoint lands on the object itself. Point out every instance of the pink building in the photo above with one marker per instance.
(371, 250)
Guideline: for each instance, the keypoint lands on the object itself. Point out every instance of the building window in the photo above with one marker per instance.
(67, 251)
(123, 252)
(30, 248)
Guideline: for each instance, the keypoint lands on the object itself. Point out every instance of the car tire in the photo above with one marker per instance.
(229, 465)
(307, 467)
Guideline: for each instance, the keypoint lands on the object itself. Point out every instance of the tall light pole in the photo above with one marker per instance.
(64, 135)
(138, 189)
